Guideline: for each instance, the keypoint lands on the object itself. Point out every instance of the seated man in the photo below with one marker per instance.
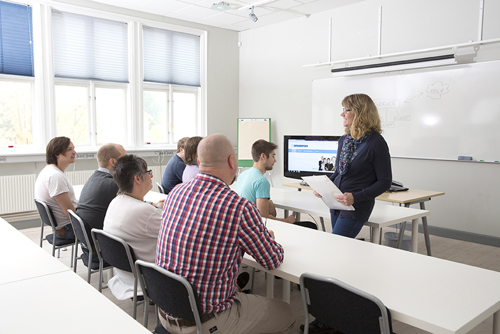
(253, 185)
(172, 175)
(53, 187)
(132, 219)
(99, 190)
(206, 229)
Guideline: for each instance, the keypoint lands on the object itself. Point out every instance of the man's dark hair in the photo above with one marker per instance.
(190, 150)
(262, 146)
(181, 143)
(126, 168)
(55, 147)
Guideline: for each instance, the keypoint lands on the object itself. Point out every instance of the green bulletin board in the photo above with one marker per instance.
(249, 131)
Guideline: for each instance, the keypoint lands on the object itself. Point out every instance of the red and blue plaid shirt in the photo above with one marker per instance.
(206, 229)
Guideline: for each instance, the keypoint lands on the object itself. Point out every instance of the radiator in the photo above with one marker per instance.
(17, 193)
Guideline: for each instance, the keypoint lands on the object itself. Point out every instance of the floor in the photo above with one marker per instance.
(482, 256)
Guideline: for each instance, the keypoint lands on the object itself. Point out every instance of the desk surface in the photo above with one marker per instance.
(22, 258)
(33, 306)
(436, 295)
(306, 202)
(403, 197)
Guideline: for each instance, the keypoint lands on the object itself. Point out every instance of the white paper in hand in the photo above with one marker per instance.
(328, 190)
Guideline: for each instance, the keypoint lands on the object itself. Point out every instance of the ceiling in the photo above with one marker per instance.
(199, 11)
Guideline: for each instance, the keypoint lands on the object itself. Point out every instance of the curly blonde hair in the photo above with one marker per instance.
(366, 118)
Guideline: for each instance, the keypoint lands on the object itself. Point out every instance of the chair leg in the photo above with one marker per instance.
(72, 251)
(89, 270)
(253, 277)
(146, 312)
(74, 257)
(41, 235)
(100, 275)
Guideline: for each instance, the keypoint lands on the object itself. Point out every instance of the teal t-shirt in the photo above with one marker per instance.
(252, 184)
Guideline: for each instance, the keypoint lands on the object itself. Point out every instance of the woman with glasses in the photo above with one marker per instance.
(132, 219)
(362, 167)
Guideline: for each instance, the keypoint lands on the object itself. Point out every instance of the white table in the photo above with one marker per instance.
(42, 295)
(435, 295)
(23, 259)
(61, 303)
(383, 215)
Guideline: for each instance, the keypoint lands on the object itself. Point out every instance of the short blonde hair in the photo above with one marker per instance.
(366, 118)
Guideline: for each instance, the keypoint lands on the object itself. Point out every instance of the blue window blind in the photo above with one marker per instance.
(171, 57)
(91, 48)
(16, 39)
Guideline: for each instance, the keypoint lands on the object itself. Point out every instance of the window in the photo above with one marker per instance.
(170, 106)
(15, 113)
(93, 52)
(16, 75)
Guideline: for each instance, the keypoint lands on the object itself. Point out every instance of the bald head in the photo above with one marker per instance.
(107, 152)
(217, 157)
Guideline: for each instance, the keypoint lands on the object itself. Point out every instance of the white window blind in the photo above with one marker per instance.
(89, 48)
(171, 57)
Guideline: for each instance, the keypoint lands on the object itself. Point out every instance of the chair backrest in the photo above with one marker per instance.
(46, 214)
(160, 188)
(113, 250)
(307, 224)
(343, 307)
(170, 292)
(80, 231)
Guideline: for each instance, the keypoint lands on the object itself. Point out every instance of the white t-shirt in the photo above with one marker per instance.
(138, 223)
(52, 182)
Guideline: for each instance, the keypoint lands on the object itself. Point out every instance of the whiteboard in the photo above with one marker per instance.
(438, 113)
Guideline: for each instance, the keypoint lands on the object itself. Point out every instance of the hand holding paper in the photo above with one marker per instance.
(329, 191)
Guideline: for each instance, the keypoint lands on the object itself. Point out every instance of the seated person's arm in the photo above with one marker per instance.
(263, 206)
(272, 209)
(65, 203)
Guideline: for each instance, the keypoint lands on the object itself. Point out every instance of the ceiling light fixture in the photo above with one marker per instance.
(252, 15)
(221, 6)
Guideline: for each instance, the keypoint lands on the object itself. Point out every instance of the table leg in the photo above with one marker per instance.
(297, 216)
(286, 213)
(322, 221)
(414, 235)
(375, 234)
(286, 291)
(426, 231)
(496, 322)
(270, 285)
(401, 235)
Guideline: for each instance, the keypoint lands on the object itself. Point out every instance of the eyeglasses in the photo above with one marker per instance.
(345, 111)
(150, 172)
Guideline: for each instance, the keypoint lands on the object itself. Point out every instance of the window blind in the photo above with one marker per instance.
(16, 39)
(89, 48)
(171, 57)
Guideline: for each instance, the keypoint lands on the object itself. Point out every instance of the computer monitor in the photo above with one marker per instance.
(309, 155)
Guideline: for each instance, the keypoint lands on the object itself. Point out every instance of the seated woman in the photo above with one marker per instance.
(130, 218)
(53, 187)
(191, 157)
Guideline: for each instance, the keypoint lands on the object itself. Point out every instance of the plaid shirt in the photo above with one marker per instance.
(206, 229)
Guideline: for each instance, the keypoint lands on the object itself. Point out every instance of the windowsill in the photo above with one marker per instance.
(12, 155)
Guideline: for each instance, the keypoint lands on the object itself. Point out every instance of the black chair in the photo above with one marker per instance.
(47, 218)
(83, 239)
(343, 307)
(170, 292)
(160, 188)
(117, 253)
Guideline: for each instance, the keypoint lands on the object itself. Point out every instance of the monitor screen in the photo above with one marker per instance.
(309, 155)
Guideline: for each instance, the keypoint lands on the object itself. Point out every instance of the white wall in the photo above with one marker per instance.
(274, 84)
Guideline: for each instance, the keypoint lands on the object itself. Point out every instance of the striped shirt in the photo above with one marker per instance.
(206, 229)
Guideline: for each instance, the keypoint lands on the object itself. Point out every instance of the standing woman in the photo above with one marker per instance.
(363, 167)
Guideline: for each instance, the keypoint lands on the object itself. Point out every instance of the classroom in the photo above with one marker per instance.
(261, 70)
